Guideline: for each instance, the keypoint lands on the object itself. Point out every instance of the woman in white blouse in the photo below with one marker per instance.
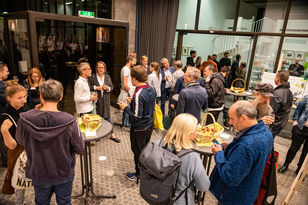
(102, 84)
(154, 79)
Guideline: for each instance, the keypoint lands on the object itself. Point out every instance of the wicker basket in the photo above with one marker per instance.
(237, 89)
(204, 137)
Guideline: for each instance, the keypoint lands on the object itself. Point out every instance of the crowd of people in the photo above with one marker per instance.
(31, 122)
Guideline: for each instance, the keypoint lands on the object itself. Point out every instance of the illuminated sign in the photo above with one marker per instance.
(88, 14)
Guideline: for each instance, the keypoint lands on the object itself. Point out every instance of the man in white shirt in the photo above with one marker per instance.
(82, 95)
(127, 88)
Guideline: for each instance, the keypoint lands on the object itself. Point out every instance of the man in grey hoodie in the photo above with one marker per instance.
(51, 138)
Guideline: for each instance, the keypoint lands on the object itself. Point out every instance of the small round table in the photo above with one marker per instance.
(206, 157)
(104, 130)
(243, 95)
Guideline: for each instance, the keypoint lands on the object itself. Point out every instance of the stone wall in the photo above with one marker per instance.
(126, 10)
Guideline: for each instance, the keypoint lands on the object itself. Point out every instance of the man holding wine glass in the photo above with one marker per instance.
(82, 96)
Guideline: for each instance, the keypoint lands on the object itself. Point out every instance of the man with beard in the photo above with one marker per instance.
(263, 93)
(237, 175)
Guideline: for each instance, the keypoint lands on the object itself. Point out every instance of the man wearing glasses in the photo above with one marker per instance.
(82, 95)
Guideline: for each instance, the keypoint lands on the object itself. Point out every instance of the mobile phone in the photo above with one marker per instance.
(216, 142)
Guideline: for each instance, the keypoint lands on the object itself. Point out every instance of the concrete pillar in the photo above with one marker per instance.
(126, 10)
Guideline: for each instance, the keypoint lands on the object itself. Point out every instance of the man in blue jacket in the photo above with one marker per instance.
(193, 97)
(236, 178)
(141, 115)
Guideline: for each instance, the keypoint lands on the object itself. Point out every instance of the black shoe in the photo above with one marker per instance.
(283, 169)
(115, 140)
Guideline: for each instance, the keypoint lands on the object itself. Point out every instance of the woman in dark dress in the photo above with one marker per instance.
(32, 83)
(16, 97)
(102, 84)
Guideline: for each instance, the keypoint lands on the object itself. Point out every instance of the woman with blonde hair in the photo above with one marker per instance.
(32, 83)
(16, 96)
(180, 136)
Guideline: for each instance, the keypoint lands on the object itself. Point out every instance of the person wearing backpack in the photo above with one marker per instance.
(175, 147)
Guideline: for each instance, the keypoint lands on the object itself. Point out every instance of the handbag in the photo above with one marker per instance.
(19, 179)
(158, 118)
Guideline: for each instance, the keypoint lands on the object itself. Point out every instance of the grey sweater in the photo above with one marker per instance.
(191, 169)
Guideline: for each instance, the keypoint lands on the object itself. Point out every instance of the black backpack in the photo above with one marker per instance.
(159, 172)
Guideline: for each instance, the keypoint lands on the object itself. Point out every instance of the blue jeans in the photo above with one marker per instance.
(125, 119)
(164, 97)
(63, 191)
(109, 120)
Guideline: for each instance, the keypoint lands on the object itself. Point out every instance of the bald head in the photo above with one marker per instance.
(244, 107)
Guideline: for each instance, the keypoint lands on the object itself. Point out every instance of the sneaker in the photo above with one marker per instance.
(131, 176)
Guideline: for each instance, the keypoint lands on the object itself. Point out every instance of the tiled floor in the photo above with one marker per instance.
(109, 174)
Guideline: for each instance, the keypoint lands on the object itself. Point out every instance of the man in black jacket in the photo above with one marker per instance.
(281, 102)
(215, 88)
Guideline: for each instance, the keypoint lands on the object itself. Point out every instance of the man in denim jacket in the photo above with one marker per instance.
(299, 136)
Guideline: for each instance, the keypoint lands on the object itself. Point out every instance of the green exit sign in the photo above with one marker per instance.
(89, 14)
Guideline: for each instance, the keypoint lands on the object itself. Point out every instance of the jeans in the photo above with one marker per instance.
(164, 96)
(138, 140)
(63, 191)
(109, 120)
(125, 119)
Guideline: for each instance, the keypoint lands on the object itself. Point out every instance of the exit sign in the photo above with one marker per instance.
(89, 14)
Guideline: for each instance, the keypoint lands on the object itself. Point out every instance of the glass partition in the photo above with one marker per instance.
(264, 60)
(19, 37)
(61, 44)
(262, 16)
(206, 44)
(4, 55)
(294, 55)
(187, 14)
(217, 15)
(298, 18)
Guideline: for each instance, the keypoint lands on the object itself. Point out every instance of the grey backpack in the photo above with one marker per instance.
(159, 172)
